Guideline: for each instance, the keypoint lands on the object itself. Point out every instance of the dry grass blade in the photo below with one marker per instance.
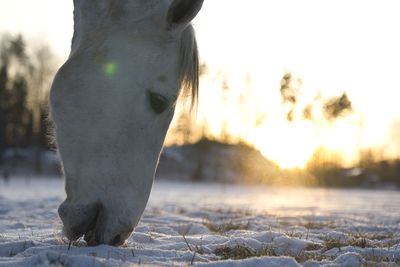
(187, 243)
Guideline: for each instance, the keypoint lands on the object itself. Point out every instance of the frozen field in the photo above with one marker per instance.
(212, 225)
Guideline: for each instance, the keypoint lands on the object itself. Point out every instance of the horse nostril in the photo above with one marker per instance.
(78, 219)
(117, 240)
(63, 210)
(89, 237)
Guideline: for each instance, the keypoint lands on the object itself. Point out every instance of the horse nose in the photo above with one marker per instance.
(95, 222)
(96, 237)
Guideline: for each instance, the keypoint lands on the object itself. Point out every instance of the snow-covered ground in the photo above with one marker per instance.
(212, 225)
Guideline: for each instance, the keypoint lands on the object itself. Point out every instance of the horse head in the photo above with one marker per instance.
(112, 103)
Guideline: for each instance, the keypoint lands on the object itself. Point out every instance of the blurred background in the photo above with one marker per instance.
(300, 93)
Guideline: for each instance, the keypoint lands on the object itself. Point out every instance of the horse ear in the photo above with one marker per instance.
(182, 12)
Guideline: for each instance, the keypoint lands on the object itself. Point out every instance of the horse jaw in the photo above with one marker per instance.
(108, 136)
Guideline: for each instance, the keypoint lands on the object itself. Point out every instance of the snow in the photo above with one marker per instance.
(264, 261)
(347, 259)
(211, 225)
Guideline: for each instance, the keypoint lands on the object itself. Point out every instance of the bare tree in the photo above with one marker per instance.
(24, 81)
(337, 106)
(225, 87)
(43, 70)
(290, 90)
(396, 137)
(13, 89)
(43, 67)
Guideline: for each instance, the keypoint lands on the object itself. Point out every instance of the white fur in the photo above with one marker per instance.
(108, 137)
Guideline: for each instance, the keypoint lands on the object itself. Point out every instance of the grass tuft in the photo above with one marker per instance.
(333, 243)
(237, 252)
(224, 227)
(313, 246)
(314, 225)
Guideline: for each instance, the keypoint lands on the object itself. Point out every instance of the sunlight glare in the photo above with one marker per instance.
(290, 146)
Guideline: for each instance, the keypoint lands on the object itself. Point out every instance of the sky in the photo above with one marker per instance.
(334, 46)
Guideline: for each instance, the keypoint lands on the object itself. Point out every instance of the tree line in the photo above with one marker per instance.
(25, 76)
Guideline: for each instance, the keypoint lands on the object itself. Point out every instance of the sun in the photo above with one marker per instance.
(288, 145)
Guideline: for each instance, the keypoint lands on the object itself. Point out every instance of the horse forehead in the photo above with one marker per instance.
(133, 10)
(140, 5)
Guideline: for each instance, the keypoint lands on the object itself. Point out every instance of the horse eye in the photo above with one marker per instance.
(158, 103)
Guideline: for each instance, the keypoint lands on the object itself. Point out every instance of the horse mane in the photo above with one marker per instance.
(189, 65)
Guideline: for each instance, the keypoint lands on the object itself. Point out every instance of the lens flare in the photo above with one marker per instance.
(109, 69)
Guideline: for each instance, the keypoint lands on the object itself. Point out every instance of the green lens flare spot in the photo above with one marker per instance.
(110, 69)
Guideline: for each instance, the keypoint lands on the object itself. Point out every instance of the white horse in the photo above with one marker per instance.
(112, 103)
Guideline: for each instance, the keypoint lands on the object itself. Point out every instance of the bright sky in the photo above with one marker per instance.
(334, 46)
